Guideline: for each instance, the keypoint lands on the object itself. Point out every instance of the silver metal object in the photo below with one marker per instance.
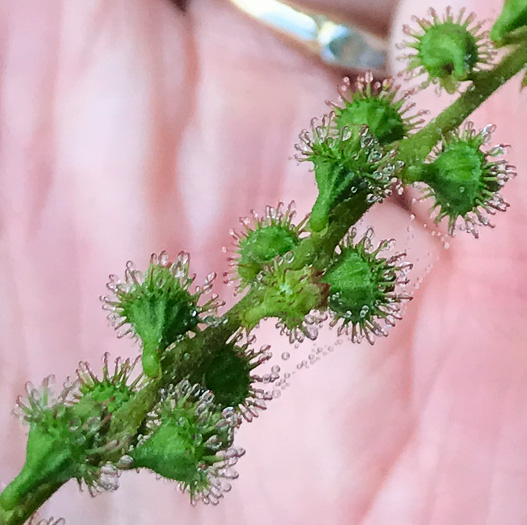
(337, 44)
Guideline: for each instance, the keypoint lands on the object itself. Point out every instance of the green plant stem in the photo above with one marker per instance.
(414, 150)
(316, 250)
(127, 419)
(29, 506)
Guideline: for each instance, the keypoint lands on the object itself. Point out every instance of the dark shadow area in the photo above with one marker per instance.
(182, 5)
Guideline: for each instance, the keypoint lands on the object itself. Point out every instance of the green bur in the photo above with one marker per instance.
(382, 117)
(456, 177)
(112, 396)
(353, 287)
(348, 150)
(50, 459)
(112, 390)
(57, 450)
(336, 181)
(358, 285)
(448, 52)
(228, 376)
(348, 166)
(286, 294)
(179, 446)
(160, 310)
(170, 453)
(262, 245)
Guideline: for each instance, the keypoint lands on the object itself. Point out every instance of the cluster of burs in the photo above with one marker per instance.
(175, 409)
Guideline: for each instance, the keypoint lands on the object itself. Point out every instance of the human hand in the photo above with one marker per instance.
(129, 128)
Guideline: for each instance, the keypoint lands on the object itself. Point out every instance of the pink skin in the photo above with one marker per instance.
(128, 128)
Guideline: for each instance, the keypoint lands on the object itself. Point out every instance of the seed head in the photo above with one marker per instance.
(348, 163)
(66, 440)
(115, 387)
(447, 49)
(231, 374)
(366, 289)
(293, 296)
(157, 307)
(261, 240)
(189, 440)
(465, 182)
(381, 106)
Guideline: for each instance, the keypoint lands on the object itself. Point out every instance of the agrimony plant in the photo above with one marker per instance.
(175, 411)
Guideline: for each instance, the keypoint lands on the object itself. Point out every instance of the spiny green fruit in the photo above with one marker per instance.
(228, 377)
(365, 288)
(348, 164)
(262, 239)
(512, 17)
(464, 182)
(229, 374)
(157, 306)
(292, 296)
(189, 440)
(447, 49)
(114, 388)
(377, 105)
(66, 440)
(51, 457)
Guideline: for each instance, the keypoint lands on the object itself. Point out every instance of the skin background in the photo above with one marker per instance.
(128, 128)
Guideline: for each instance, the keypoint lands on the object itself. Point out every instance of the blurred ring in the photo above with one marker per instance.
(336, 43)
